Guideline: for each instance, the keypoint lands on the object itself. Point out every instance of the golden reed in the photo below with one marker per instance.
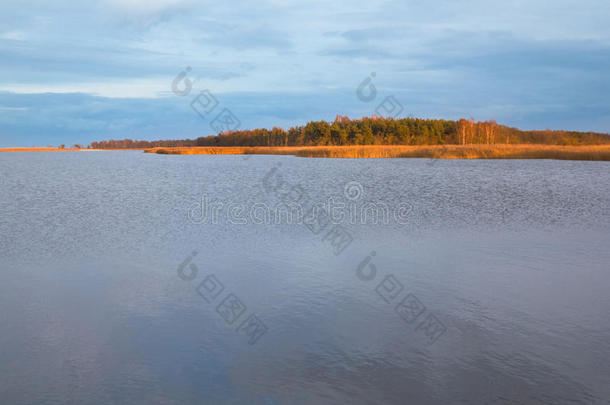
(588, 152)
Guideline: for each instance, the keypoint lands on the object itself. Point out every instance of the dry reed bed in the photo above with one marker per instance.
(591, 152)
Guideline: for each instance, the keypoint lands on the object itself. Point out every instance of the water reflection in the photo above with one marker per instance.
(512, 262)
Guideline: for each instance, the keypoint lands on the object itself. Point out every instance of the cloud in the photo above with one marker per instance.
(359, 53)
(285, 61)
(13, 35)
(145, 5)
(377, 34)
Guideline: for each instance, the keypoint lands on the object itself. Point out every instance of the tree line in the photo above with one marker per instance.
(375, 131)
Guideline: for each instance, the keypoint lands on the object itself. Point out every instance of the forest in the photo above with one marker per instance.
(375, 131)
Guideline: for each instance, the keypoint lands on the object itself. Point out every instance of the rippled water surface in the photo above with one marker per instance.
(488, 282)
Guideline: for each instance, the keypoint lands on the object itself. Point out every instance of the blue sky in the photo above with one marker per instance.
(75, 71)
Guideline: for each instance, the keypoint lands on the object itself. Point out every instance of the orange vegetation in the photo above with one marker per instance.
(590, 152)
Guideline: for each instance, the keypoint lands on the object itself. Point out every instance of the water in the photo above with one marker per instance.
(504, 265)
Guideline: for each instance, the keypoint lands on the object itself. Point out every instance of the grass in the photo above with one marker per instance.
(589, 152)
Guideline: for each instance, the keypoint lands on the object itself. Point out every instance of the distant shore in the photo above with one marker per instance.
(37, 150)
(474, 151)
(58, 150)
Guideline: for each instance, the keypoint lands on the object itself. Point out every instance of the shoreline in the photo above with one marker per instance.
(61, 150)
(474, 151)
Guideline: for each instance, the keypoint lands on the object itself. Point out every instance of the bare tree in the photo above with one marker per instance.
(461, 129)
(493, 129)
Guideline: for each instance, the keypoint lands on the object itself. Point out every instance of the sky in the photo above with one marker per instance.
(76, 72)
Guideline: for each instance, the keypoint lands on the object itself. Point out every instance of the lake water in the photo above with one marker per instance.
(488, 284)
